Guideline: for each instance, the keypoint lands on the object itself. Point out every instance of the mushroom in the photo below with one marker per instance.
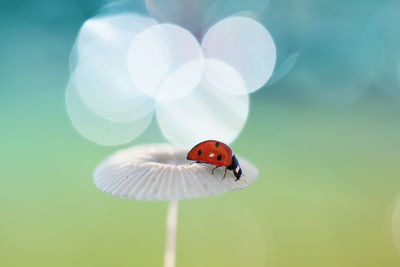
(162, 172)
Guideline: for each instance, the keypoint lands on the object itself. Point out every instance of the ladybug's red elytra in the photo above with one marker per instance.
(216, 153)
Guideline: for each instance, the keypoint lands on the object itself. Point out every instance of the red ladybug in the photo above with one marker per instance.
(216, 153)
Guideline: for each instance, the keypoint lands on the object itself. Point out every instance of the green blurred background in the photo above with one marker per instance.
(328, 155)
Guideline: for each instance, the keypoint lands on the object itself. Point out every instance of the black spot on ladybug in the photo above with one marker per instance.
(216, 144)
(199, 152)
(219, 157)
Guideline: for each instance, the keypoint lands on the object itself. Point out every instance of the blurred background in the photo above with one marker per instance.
(324, 132)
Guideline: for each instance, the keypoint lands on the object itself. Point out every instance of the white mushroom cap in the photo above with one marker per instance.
(161, 172)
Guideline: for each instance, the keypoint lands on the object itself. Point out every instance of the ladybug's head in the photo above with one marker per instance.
(237, 171)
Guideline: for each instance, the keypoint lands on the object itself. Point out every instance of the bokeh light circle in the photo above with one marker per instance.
(165, 61)
(106, 87)
(96, 128)
(246, 45)
(107, 34)
(224, 77)
(205, 113)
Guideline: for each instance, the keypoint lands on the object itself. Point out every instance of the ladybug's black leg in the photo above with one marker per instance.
(212, 171)
(223, 177)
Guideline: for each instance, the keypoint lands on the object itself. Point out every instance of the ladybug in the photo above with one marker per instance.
(216, 153)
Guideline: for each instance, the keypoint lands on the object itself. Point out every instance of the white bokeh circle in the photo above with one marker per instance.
(99, 129)
(224, 77)
(165, 61)
(205, 113)
(246, 45)
(107, 34)
(106, 87)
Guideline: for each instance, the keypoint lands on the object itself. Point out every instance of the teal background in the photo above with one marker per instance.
(329, 173)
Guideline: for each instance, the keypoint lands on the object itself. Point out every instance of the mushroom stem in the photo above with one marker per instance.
(172, 222)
